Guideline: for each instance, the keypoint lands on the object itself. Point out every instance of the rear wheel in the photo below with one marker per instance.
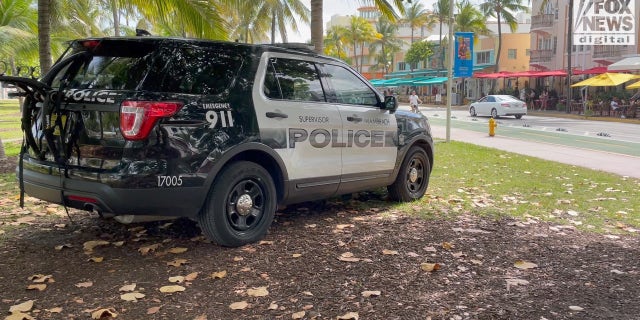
(240, 206)
(472, 111)
(494, 113)
(413, 178)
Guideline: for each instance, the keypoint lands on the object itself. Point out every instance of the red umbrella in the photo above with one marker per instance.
(594, 70)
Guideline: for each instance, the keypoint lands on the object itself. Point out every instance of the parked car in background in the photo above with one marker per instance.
(498, 106)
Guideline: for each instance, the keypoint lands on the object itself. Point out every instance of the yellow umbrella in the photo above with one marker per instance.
(608, 79)
(635, 85)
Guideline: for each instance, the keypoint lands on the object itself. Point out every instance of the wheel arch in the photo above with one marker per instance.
(424, 142)
(257, 153)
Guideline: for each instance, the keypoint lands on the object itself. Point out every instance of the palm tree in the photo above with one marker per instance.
(282, 13)
(470, 19)
(384, 6)
(359, 31)
(503, 9)
(388, 44)
(416, 16)
(441, 11)
(334, 42)
(44, 35)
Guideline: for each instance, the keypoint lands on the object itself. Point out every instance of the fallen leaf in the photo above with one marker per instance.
(430, 267)
(298, 315)
(19, 316)
(348, 257)
(89, 245)
(219, 274)
(237, 259)
(128, 287)
(239, 305)
(96, 259)
(145, 250)
(21, 307)
(296, 255)
(478, 262)
(191, 276)
(131, 296)
(273, 306)
(176, 279)
(153, 310)
(516, 282)
(62, 246)
(344, 226)
(177, 262)
(172, 289)
(84, 284)
(389, 252)
(258, 292)
(26, 220)
(118, 243)
(39, 286)
(447, 246)
(265, 242)
(201, 317)
(41, 278)
(349, 316)
(524, 265)
(104, 313)
(576, 308)
(368, 294)
(177, 250)
(54, 310)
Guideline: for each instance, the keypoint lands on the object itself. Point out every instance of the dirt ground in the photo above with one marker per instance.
(342, 259)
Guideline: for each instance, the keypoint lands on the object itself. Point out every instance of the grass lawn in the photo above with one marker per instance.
(9, 120)
(470, 179)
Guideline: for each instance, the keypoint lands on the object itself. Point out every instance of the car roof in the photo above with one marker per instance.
(292, 48)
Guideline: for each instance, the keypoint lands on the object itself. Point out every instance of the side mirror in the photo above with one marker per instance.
(390, 103)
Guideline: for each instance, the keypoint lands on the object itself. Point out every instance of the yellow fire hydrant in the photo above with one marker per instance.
(492, 127)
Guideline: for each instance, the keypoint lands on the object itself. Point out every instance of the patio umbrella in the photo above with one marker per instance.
(608, 79)
(630, 63)
(635, 85)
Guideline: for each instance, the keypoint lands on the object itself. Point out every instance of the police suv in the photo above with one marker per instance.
(220, 132)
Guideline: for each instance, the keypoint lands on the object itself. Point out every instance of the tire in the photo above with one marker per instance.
(494, 113)
(472, 111)
(413, 177)
(518, 116)
(240, 206)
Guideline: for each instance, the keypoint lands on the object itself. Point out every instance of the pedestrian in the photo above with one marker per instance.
(414, 100)
(532, 97)
(544, 98)
(523, 94)
(438, 96)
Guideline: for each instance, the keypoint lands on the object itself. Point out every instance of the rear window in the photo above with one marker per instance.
(201, 70)
(122, 65)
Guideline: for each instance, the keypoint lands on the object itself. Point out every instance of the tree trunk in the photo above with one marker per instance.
(3, 156)
(316, 25)
(116, 18)
(273, 26)
(44, 35)
(499, 43)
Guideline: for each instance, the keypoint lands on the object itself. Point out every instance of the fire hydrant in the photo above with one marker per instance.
(492, 127)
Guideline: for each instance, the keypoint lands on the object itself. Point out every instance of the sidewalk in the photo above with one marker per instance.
(603, 161)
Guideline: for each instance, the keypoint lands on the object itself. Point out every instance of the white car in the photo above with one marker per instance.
(497, 106)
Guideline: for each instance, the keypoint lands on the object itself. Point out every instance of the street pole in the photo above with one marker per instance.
(450, 71)
(569, 50)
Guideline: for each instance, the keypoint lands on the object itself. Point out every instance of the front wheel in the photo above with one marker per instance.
(413, 178)
(240, 206)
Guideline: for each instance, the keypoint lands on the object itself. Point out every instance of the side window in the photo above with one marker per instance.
(348, 87)
(491, 99)
(290, 79)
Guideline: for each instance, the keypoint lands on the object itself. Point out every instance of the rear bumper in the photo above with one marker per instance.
(90, 195)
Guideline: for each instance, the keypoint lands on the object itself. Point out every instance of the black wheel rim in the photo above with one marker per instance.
(245, 205)
(415, 175)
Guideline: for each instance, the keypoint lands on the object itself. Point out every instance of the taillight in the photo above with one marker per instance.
(506, 105)
(137, 118)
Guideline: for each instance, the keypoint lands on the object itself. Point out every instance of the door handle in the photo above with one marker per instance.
(355, 119)
(276, 115)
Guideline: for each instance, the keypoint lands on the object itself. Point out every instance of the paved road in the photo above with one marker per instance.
(584, 149)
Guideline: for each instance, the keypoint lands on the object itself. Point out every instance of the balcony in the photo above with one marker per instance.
(542, 21)
(610, 51)
(541, 56)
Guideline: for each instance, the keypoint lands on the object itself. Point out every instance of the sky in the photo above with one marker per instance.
(331, 7)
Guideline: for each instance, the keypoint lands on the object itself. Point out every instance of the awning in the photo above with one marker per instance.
(435, 80)
(594, 70)
(630, 63)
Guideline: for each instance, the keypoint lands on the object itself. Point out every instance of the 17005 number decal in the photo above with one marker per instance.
(169, 181)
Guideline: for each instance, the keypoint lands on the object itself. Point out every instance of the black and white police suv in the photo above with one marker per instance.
(220, 132)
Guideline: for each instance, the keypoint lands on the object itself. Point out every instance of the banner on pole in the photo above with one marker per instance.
(463, 62)
(605, 22)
